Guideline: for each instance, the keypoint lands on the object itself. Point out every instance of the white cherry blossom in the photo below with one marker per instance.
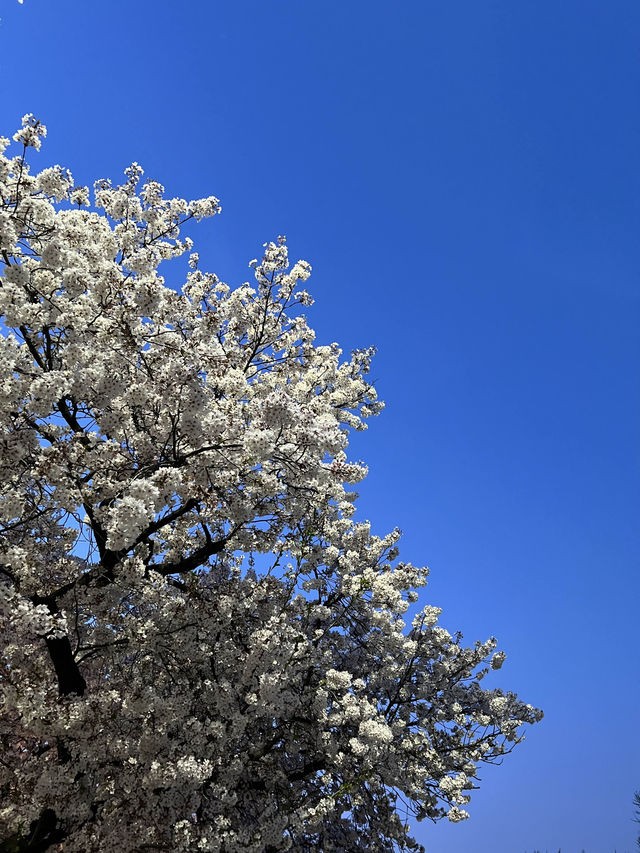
(201, 650)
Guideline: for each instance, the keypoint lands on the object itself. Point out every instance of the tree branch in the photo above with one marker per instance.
(194, 560)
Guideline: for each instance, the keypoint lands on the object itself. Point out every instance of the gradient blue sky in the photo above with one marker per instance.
(462, 175)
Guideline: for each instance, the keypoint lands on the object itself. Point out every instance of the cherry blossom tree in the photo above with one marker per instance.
(200, 649)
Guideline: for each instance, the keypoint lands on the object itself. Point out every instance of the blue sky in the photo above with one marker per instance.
(463, 178)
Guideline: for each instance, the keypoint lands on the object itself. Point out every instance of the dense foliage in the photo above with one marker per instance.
(201, 650)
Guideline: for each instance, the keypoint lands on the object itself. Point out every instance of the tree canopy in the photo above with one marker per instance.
(200, 648)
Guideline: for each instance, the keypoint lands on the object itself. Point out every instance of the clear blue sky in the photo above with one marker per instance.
(463, 177)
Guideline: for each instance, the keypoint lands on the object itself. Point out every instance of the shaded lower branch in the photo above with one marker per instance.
(44, 832)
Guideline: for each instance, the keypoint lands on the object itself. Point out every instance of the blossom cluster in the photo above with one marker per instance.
(201, 650)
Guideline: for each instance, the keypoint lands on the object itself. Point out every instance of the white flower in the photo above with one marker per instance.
(375, 731)
(455, 814)
(79, 196)
(337, 680)
(32, 132)
(497, 660)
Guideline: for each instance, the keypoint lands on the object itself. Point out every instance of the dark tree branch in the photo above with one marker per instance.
(192, 503)
(70, 678)
(196, 559)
